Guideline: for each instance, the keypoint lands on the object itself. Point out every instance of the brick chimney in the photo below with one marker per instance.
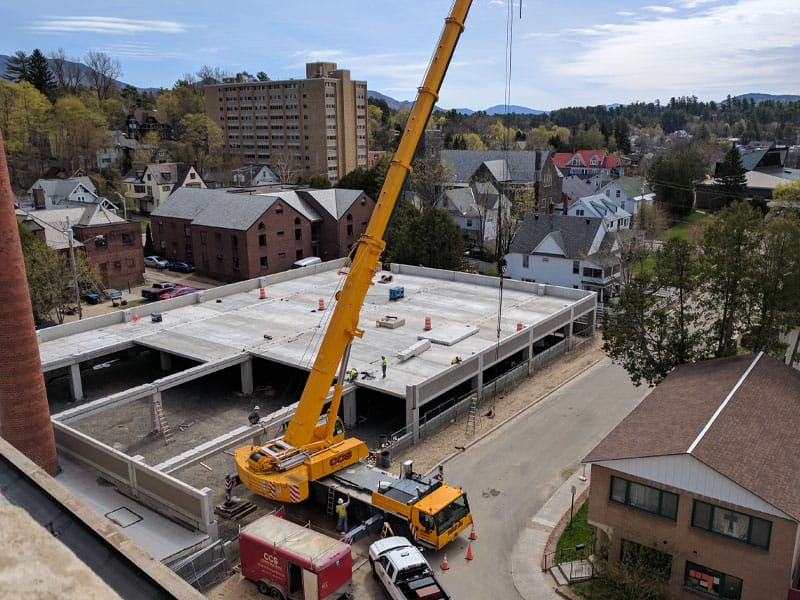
(24, 411)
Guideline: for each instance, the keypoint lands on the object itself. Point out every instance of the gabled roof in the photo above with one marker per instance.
(577, 234)
(459, 201)
(599, 206)
(55, 238)
(738, 415)
(563, 159)
(61, 188)
(335, 201)
(521, 164)
(632, 186)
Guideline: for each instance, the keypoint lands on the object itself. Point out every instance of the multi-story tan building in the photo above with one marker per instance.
(697, 487)
(299, 127)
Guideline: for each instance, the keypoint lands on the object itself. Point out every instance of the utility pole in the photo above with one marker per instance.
(70, 237)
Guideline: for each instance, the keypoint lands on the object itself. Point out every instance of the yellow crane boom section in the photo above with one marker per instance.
(302, 432)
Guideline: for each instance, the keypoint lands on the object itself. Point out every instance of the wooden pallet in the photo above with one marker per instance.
(237, 510)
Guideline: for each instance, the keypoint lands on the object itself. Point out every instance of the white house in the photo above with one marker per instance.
(628, 193)
(149, 185)
(577, 252)
(66, 193)
(597, 205)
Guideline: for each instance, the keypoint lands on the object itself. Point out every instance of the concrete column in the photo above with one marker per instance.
(75, 383)
(412, 411)
(246, 371)
(349, 410)
(166, 361)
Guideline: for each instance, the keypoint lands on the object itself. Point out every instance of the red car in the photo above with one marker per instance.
(179, 291)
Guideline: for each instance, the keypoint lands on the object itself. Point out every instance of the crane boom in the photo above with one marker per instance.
(311, 448)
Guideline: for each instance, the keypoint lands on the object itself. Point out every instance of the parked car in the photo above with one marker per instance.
(92, 298)
(156, 262)
(179, 265)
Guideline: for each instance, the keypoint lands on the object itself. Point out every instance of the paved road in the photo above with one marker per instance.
(511, 473)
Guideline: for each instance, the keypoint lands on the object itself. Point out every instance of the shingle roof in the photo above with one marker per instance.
(61, 188)
(459, 201)
(576, 234)
(562, 159)
(335, 201)
(753, 440)
(632, 186)
(521, 164)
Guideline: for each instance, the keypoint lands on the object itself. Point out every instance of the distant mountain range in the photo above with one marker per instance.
(497, 109)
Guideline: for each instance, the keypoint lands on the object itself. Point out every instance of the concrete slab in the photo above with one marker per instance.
(158, 535)
(449, 334)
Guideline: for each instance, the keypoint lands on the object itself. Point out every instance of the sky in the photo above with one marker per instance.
(566, 53)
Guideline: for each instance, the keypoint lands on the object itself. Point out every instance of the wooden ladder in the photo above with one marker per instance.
(472, 416)
(161, 422)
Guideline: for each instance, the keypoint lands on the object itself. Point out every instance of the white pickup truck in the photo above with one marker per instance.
(403, 571)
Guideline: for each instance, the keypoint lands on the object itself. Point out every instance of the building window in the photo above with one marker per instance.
(235, 263)
(218, 236)
(298, 254)
(138, 189)
(298, 234)
(736, 525)
(117, 265)
(279, 208)
(264, 263)
(576, 267)
(349, 229)
(203, 238)
(711, 582)
(644, 497)
(127, 239)
(187, 231)
(103, 267)
(234, 242)
(525, 261)
(262, 239)
(578, 212)
(592, 273)
(130, 263)
(100, 241)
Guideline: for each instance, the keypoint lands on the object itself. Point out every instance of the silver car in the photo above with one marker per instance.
(155, 261)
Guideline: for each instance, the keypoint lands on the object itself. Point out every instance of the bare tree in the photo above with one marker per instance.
(284, 164)
(103, 70)
(210, 75)
(67, 71)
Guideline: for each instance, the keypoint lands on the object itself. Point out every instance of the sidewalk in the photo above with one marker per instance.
(526, 567)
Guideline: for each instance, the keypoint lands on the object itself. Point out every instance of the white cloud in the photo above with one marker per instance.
(106, 25)
(748, 42)
(659, 9)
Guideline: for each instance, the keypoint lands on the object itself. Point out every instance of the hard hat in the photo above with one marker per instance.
(341, 501)
(256, 408)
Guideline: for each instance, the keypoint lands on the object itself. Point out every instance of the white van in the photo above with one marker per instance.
(306, 262)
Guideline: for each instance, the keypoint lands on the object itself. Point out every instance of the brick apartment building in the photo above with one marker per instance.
(111, 243)
(700, 481)
(235, 235)
(300, 127)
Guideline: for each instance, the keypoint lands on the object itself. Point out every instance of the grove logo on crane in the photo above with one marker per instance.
(340, 458)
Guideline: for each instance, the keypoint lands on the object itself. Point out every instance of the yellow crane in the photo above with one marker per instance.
(312, 446)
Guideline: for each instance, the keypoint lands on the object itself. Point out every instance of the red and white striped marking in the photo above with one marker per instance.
(413, 529)
(294, 493)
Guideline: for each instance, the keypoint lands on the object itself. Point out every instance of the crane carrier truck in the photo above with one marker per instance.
(315, 447)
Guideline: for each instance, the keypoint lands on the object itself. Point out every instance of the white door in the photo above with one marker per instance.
(310, 585)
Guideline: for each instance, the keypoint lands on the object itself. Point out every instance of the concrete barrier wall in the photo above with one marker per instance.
(159, 491)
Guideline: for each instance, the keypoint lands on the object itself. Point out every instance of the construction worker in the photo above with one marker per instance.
(353, 374)
(341, 511)
(254, 417)
(384, 364)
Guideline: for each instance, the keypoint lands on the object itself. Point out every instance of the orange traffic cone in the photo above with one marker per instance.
(445, 566)
(469, 551)
(135, 318)
(472, 534)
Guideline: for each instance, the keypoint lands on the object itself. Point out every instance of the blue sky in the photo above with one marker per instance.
(567, 53)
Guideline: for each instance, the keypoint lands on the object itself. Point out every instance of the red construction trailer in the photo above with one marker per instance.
(292, 562)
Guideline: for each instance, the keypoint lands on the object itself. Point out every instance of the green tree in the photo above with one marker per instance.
(25, 122)
(674, 175)
(732, 178)
(654, 326)
(429, 176)
(787, 192)
(203, 140)
(40, 75)
(731, 244)
(400, 234)
(77, 133)
(149, 246)
(439, 240)
(183, 99)
(17, 66)
(47, 276)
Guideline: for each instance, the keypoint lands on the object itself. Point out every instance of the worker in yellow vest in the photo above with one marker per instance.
(341, 511)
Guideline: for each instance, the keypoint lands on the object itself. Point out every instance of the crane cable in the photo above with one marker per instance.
(501, 261)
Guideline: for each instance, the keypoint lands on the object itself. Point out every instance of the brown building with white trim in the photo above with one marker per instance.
(299, 127)
(235, 235)
(700, 481)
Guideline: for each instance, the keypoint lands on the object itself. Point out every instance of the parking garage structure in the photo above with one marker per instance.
(198, 363)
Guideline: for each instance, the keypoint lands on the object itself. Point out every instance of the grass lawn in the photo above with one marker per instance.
(580, 533)
(682, 229)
